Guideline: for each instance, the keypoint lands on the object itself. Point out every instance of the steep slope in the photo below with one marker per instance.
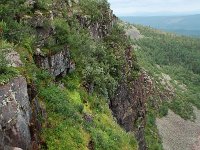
(69, 78)
(76, 59)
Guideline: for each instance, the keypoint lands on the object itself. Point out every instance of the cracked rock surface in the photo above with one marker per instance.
(15, 112)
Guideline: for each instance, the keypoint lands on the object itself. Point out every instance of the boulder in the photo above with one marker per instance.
(15, 114)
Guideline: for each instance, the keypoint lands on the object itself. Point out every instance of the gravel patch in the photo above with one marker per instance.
(134, 33)
(179, 134)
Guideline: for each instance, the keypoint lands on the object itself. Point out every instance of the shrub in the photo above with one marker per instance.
(163, 110)
(94, 8)
(62, 31)
(3, 62)
(6, 73)
(4, 49)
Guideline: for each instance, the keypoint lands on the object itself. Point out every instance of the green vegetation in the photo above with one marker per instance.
(95, 9)
(151, 132)
(3, 61)
(173, 62)
(76, 119)
(177, 57)
(6, 72)
(78, 115)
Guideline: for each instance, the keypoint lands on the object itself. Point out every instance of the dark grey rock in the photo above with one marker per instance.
(100, 28)
(15, 114)
(129, 103)
(57, 64)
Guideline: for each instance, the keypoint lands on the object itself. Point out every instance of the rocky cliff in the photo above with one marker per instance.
(15, 110)
(100, 28)
(129, 106)
(130, 100)
(107, 62)
(58, 64)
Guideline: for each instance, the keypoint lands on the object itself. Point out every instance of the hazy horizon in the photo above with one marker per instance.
(155, 7)
(162, 15)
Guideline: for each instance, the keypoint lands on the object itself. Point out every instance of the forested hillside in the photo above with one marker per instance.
(177, 56)
(173, 63)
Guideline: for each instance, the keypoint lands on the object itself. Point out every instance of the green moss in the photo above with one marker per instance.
(67, 127)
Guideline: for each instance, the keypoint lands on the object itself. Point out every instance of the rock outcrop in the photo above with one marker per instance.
(129, 106)
(57, 64)
(19, 115)
(101, 28)
(19, 106)
(133, 33)
(13, 59)
(15, 116)
(129, 103)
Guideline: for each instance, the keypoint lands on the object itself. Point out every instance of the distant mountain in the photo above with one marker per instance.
(185, 25)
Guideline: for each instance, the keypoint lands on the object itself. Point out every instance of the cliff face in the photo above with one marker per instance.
(129, 106)
(15, 110)
(101, 28)
(58, 64)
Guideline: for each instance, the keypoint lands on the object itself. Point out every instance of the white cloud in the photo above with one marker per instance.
(154, 7)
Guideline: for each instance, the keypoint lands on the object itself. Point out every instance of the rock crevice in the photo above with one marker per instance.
(56, 64)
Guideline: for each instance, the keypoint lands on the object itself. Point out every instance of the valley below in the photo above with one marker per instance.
(172, 116)
(187, 25)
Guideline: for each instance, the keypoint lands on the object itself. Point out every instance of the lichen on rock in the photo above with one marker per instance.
(15, 113)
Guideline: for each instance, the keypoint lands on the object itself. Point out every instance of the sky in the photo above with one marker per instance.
(154, 7)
